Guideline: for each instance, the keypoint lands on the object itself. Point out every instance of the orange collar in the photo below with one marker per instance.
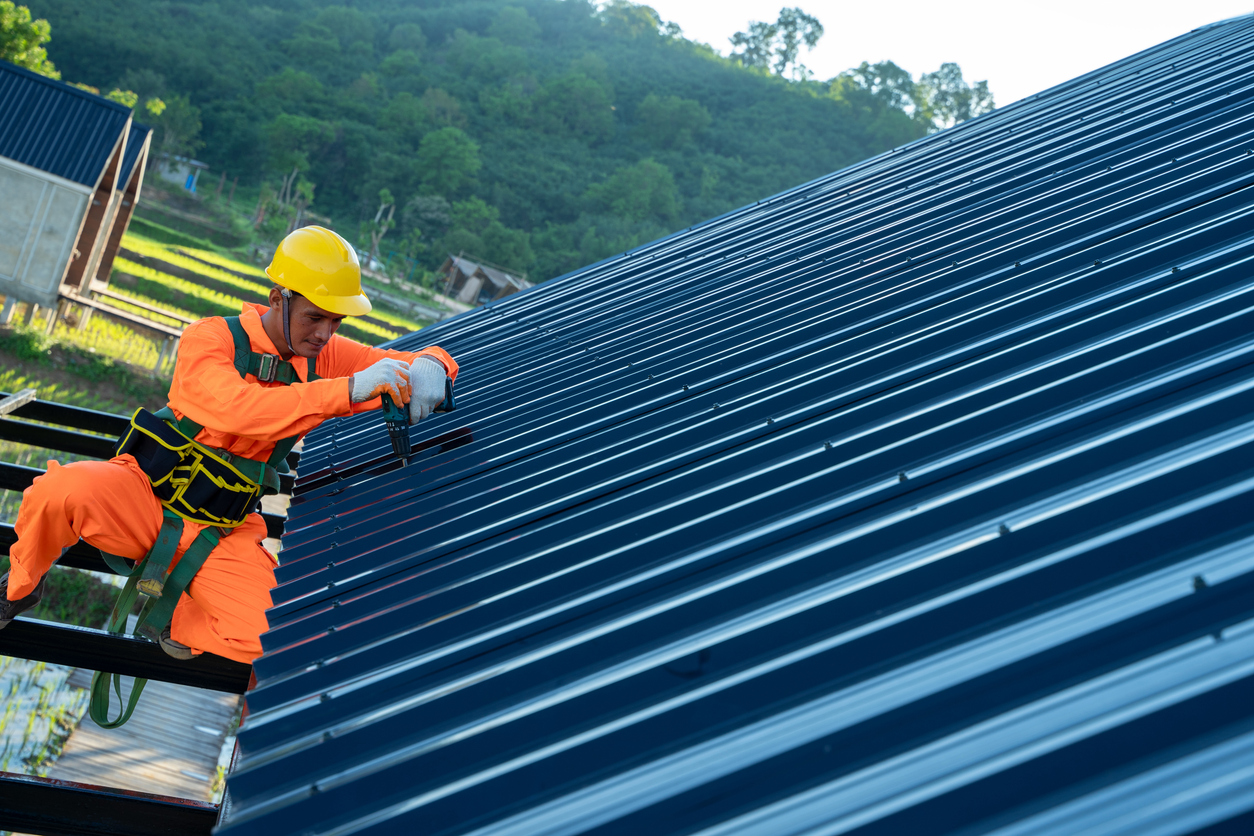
(250, 318)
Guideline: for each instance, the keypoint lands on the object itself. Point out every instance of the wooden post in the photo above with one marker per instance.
(6, 314)
(54, 316)
(221, 183)
(231, 196)
(165, 348)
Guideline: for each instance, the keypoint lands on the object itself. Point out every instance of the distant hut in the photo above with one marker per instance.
(65, 174)
(478, 282)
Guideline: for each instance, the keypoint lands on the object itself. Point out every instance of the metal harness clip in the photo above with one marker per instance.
(268, 368)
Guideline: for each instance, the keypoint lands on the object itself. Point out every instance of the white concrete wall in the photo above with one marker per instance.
(40, 216)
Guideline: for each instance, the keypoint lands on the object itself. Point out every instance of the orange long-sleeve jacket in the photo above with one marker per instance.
(247, 417)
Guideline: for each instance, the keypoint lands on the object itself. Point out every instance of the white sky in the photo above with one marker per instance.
(1019, 46)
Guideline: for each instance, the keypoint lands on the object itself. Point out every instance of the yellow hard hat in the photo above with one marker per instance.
(322, 267)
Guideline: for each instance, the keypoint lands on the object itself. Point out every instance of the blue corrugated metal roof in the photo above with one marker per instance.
(913, 500)
(57, 128)
(134, 144)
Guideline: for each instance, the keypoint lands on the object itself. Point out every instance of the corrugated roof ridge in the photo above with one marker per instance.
(64, 87)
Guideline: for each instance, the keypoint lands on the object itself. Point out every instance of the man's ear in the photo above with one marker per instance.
(276, 298)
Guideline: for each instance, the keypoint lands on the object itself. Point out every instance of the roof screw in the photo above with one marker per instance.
(685, 387)
(827, 445)
(1097, 264)
(320, 663)
(1002, 529)
(716, 406)
(902, 477)
(770, 420)
(955, 264)
(313, 789)
(331, 585)
(326, 738)
(336, 602)
(331, 565)
(650, 377)
(1175, 269)
(331, 629)
(1199, 583)
(324, 698)
(1016, 264)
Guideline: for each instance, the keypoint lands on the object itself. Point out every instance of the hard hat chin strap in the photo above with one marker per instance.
(287, 316)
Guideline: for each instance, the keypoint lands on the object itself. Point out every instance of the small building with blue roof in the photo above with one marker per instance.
(71, 163)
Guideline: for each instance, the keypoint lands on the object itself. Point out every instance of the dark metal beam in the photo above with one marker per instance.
(68, 441)
(274, 525)
(48, 807)
(105, 423)
(96, 650)
(17, 477)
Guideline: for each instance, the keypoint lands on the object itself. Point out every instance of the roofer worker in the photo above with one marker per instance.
(245, 389)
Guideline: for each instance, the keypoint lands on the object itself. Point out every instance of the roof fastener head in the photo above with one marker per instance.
(827, 445)
(902, 477)
(1002, 529)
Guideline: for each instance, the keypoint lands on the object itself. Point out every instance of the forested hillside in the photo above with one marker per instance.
(538, 134)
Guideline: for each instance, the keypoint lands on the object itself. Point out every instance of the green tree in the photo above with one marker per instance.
(447, 160)
(178, 126)
(669, 121)
(641, 192)
(384, 219)
(407, 36)
(777, 46)
(885, 84)
(630, 19)
(944, 98)
(513, 25)
(292, 139)
(476, 230)
(443, 108)
(22, 39)
(575, 105)
(404, 118)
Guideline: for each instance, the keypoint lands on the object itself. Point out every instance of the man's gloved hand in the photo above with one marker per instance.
(387, 375)
(426, 376)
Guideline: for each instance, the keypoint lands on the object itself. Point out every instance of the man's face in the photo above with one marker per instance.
(311, 326)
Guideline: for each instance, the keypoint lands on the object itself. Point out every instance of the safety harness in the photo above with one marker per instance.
(193, 482)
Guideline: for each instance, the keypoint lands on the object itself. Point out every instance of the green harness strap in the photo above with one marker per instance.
(149, 576)
(157, 610)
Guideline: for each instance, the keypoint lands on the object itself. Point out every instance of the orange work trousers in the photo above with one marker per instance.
(110, 505)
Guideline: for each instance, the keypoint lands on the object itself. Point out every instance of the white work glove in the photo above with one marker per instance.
(426, 377)
(387, 375)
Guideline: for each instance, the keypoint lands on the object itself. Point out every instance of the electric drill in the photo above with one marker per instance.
(396, 416)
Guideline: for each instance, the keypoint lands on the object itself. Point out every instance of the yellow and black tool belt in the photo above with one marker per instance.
(190, 479)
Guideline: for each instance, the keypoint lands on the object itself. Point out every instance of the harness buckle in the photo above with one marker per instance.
(268, 368)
